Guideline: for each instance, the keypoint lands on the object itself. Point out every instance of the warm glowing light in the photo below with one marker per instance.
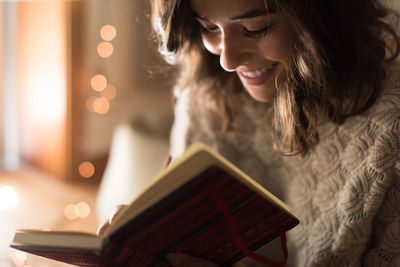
(105, 49)
(98, 82)
(101, 105)
(71, 212)
(108, 32)
(110, 92)
(8, 197)
(83, 209)
(45, 99)
(86, 169)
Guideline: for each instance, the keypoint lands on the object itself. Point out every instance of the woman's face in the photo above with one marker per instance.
(249, 40)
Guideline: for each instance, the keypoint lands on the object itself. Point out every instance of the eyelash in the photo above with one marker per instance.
(259, 33)
(209, 29)
(256, 34)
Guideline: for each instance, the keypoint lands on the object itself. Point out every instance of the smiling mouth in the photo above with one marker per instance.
(258, 76)
(258, 72)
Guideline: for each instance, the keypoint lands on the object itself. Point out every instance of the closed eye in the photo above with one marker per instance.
(210, 29)
(258, 33)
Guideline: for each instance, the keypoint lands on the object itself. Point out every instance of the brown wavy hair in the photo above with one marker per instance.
(336, 66)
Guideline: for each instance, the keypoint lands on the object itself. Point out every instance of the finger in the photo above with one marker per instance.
(183, 260)
(167, 161)
(117, 210)
(102, 228)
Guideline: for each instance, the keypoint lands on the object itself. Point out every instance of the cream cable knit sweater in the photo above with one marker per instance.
(346, 192)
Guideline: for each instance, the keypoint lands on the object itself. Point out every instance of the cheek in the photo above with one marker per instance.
(287, 44)
(278, 45)
(211, 43)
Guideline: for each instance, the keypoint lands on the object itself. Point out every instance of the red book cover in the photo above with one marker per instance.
(211, 212)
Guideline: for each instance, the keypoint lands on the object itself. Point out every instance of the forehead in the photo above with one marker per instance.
(227, 8)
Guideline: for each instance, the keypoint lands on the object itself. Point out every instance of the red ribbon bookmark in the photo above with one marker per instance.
(228, 217)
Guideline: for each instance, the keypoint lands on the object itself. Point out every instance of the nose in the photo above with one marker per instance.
(232, 52)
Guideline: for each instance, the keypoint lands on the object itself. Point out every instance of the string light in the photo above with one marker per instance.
(86, 169)
(74, 211)
(71, 212)
(83, 210)
(100, 103)
(98, 82)
(108, 32)
(105, 49)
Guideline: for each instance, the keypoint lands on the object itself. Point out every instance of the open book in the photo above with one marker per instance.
(201, 205)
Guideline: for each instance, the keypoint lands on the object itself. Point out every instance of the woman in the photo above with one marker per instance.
(304, 96)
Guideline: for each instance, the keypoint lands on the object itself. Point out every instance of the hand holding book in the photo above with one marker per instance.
(118, 209)
(175, 259)
(103, 228)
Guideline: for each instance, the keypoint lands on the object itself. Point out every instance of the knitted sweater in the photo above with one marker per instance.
(346, 191)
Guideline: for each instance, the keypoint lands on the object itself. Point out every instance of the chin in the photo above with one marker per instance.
(262, 95)
(263, 99)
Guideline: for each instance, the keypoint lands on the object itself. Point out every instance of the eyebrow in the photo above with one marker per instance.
(247, 15)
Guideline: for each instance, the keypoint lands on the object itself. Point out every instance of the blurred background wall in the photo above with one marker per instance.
(75, 70)
(85, 114)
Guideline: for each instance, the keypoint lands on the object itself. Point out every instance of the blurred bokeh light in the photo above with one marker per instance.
(108, 32)
(105, 49)
(86, 169)
(98, 82)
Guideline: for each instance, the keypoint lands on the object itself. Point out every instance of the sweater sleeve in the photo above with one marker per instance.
(385, 246)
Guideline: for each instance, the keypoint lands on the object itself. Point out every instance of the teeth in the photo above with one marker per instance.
(257, 73)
